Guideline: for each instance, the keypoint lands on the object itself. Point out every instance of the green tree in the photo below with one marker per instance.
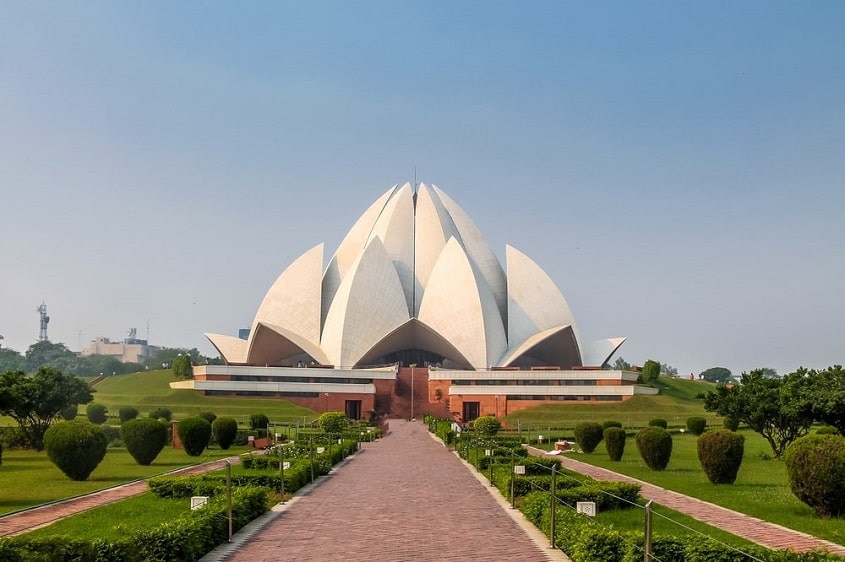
(332, 422)
(75, 447)
(668, 370)
(716, 374)
(486, 426)
(49, 354)
(34, 402)
(651, 370)
(10, 360)
(182, 367)
(621, 365)
(826, 392)
(777, 409)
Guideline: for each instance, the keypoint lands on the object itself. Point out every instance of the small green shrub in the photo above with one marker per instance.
(486, 426)
(195, 433)
(614, 441)
(611, 423)
(730, 423)
(161, 413)
(144, 439)
(258, 421)
(225, 430)
(208, 416)
(720, 454)
(332, 422)
(69, 413)
(655, 446)
(97, 413)
(127, 413)
(658, 422)
(588, 435)
(696, 425)
(816, 468)
(75, 447)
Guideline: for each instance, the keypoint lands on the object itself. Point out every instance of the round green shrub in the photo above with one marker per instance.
(127, 413)
(195, 433)
(225, 430)
(97, 413)
(827, 430)
(76, 447)
(258, 421)
(730, 423)
(658, 422)
(588, 435)
(161, 413)
(332, 422)
(614, 441)
(208, 416)
(69, 413)
(655, 446)
(144, 438)
(720, 454)
(696, 425)
(611, 423)
(816, 468)
(486, 426)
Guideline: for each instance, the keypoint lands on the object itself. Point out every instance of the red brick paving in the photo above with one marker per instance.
(756, 530)
(24, 521)
(404, 497)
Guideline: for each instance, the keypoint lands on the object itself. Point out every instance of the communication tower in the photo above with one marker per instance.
(42, 311)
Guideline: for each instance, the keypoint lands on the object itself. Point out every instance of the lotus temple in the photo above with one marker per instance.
(415, 314)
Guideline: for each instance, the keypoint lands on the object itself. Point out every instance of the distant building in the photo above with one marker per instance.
(130, 350)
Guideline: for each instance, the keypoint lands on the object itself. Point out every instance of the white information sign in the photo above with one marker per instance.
(587, 508)
(198, 501)
(321, 450)
(519, 469)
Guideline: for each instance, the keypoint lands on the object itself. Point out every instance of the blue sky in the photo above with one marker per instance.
(675, 167)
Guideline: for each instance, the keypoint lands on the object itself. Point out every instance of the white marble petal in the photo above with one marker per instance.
(231, 349)
(395, 229)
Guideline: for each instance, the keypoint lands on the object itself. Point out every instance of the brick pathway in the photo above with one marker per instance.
(756, 530)
(404, 497)
(30, 519)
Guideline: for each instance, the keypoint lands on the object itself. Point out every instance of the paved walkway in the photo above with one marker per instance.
(756, 530)
(31, 519)
(404, 497)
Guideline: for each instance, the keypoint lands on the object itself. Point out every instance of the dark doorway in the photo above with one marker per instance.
(353, 409)
(470, 411)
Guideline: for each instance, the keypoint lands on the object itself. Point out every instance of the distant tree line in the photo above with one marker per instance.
(58, 356)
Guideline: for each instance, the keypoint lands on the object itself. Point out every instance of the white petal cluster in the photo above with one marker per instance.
(414, 272)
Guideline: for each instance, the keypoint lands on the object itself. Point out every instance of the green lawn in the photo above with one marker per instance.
(28, 478)
(761, 490)
(113, 521)
(676, 402)
(148, 390)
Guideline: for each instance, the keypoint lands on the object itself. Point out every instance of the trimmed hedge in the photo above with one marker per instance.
(76, 447)
(195, 433)
(585, 540)
(611, 423)
(816, 468)
(696, 425)
(658, 422)
(614, 442)
(655, 446)
(588, 435)
(720, 454)
(127, 413)
(96, 413)
(185, 539)
(144, 438)
(225, 431)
